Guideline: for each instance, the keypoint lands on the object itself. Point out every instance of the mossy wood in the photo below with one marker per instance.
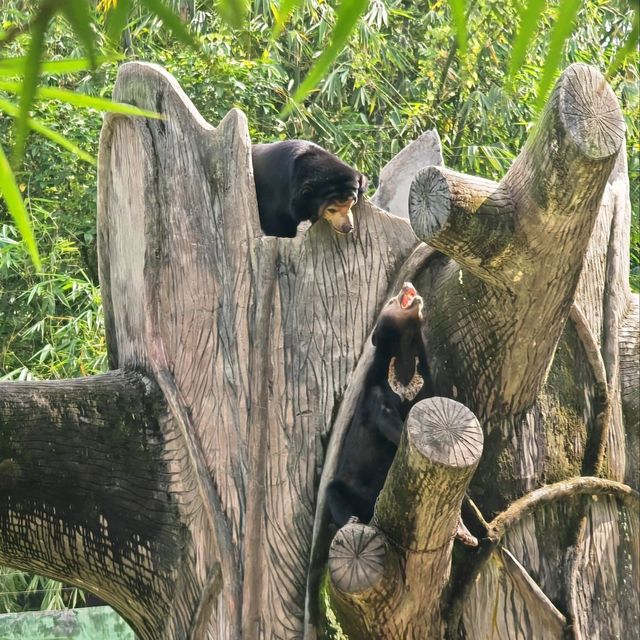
(186, 487)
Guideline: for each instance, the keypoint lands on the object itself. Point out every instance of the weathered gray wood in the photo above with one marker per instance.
(177, 217)
(561, 413)
(416, 518)
(259, 347)
(603, 573)
(252, 339)
(506, 604)
(397, 175)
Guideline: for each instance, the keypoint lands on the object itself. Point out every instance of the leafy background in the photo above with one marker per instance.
(405, 67)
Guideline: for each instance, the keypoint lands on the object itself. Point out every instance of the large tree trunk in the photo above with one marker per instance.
(187, 487)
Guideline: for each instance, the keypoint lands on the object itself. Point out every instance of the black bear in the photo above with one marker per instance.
(297, 180)
(397, 379)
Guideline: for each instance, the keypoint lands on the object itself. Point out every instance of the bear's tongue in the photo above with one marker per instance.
(407, 297)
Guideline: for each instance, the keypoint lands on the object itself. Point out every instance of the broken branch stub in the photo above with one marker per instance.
(413, 526)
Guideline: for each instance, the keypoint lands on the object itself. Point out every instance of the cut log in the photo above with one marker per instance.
(414, 526)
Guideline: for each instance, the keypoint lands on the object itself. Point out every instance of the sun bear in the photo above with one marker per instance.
(397, 379)
(297, 180)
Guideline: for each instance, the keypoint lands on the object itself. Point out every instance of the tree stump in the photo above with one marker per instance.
(187, 486)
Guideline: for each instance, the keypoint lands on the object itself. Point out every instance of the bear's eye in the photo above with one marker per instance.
(332, 210)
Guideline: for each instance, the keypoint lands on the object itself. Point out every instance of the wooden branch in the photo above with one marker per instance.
(84, 472)
(518, 511)
(416, 262)
(553, 493)
(415, 521)
(469, 218)
(397, 175)
(517, 248)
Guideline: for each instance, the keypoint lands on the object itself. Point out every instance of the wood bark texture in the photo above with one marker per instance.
(187, 486)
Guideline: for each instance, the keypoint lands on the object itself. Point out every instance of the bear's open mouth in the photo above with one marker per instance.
(407, 295)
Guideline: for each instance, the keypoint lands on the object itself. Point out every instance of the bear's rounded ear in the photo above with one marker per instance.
(362, 183)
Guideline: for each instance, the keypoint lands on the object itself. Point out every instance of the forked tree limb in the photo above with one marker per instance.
(518, 247)
(414, 525)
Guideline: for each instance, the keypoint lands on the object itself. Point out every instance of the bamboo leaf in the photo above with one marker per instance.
(45, 131)
(79, 17)
(30, 82)
(348, 15)
(458, 12)
(567, 11)
(82, 100)
(11, 194)
(282, 15)
(171, 21)
(117, 21)
(630, 44)
(529, 17)
(233, 12)
(11, 67)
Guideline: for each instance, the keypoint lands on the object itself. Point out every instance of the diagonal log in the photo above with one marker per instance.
(510, 289)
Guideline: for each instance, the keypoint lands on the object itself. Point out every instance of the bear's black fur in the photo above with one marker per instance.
(297, 180)
(374, 432)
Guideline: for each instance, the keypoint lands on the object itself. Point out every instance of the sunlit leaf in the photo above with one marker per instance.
(630, 45)
(282, 15)
(45, 131)
(11, 67)
(31, 74)
(82, 100)
(79, 17)
(171, 21)
(567, 11)
(529, 17)
(233, 12)
(348, 14)
(15, 205)
(458, 12)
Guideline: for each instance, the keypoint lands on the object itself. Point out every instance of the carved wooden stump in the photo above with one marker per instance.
(188, 488)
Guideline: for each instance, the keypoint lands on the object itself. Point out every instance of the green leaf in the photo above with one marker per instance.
(171, 21)
(11, 67)
(15, 205)
(117, 21)
(45, 131)
(82, 100)
(458, 11)
(562, 29)
(348, 14)
(529, 17)
(30, 82)
(233, 12)
(282, 15)
(79, 17)
(630, 45)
